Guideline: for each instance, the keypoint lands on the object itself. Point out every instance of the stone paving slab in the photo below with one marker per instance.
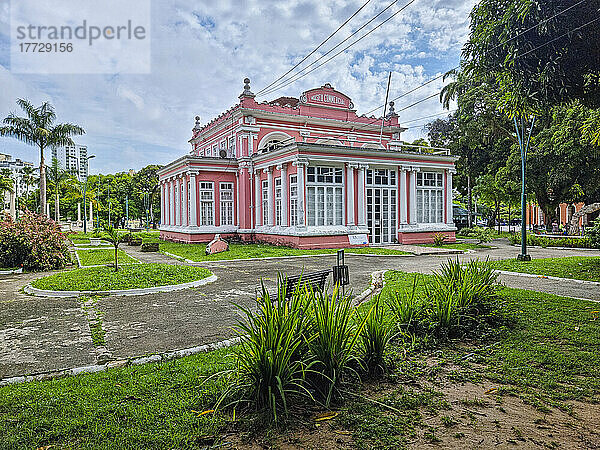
(43, 334)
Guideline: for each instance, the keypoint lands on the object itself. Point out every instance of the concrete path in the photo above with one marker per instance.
(38, 334)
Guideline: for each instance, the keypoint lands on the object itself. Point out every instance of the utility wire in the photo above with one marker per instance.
(316, 48)
(296, 77)
(499, 45)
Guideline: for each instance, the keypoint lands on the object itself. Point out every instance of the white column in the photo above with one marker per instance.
(162, 204)
(193, 201)
(449, 216)
(402, 198)
(177, 202)
(362, 216)
(301, 193)
(172, 201)
(236, 200)
(78, 212)
(270, 194)
(413, 194)
(186, 206)
(284, 196)
(350, 193)
(257, 199)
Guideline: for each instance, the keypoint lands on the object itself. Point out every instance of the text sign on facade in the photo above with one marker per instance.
(358, 239)
(327, 96)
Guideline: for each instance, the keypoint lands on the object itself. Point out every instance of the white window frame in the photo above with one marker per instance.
(430, 197)
(265, 201)
(231, 147)
(293, 200)
(207, 187)
(226, 204)
(278, 197)
(324, 182)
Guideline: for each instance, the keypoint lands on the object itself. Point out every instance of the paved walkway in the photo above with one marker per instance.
(41, 334)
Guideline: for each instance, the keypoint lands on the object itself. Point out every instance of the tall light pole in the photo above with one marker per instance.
(87, 160)
(524, 147)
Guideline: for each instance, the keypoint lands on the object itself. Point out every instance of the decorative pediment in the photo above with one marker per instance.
(326, 95)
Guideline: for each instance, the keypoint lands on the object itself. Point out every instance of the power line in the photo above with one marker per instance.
(316, 48)
(496, 46)
(296, 77)
(432, 115)
(332, 49)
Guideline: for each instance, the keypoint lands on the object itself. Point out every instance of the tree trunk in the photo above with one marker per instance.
(116, 258)
(509, 217)
(470, 202)
(585, 209)
(56, 208)
(498, 216)
(42, 181)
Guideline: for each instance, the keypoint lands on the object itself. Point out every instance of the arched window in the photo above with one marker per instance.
(272, 138)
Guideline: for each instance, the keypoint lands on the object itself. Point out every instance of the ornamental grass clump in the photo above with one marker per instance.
(271, 361)
(375, 337)
(335, 330)
(35, 243)
(406, 306)
(303, 347)
(460, 292)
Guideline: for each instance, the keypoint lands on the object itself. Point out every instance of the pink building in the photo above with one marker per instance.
(307, 173)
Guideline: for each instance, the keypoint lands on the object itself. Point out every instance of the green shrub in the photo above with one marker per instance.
(593, 234)
(543, 241)
(271, 365)
(457, 291)
(482, 234)
(439, 239)
(335, 329)
(406, 306)
(35, 243)
(375, 338)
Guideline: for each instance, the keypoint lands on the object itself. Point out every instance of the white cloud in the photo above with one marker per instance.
(201, 51)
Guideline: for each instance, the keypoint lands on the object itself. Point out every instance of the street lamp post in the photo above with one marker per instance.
(87, 159)
(524, 147)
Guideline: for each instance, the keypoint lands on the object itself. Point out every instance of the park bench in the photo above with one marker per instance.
(313, 280)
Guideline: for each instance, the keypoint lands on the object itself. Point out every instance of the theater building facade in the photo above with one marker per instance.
(306, 172)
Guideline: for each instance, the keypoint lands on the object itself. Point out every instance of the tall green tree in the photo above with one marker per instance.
(534, 58)
(38, 129)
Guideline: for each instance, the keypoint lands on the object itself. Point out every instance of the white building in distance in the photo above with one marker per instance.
(73, 159)
(16, 167)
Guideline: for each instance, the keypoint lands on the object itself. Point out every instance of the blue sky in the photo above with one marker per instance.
(201, 52)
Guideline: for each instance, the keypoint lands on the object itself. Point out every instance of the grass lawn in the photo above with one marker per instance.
(458, 246)
(546, 358)
(103, 256)
(195, 252)
(577, 267)
(128, 277)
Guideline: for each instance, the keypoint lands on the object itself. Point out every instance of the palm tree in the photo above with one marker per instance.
(38, 129)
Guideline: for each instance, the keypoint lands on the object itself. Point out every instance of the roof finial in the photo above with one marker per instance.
(197, 126)
(247, 92)
(392, 112)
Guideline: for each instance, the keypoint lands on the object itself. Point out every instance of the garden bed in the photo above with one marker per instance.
(196, 252)
(576, 267)
(134, 276)
(102, 256)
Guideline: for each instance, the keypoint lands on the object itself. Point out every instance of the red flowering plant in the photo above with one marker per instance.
(35, 242)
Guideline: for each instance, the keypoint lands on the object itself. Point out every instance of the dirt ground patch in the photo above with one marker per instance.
(475, 416)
